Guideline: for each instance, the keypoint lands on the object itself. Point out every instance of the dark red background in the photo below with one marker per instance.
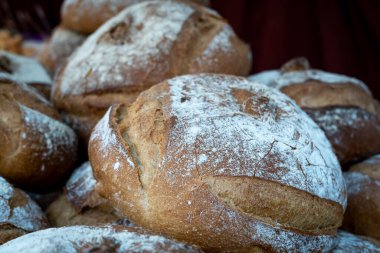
(341, 36)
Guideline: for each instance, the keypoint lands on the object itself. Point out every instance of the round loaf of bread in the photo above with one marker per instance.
(342, 106)
(26, 70)
(347, 242)
(142, 46)
(37, 151)
(85, 16)
(223, 163)
(18, 213)
(59, 47)
(363, 186)
(86, 239)
(80, 204)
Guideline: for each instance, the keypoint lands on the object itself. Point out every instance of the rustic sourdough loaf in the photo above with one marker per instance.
(342, 106)
(85, 16)
(221, 162)
(142, 46)
(37, 151)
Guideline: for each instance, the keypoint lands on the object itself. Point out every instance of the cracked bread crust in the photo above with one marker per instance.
(191, 164)
(140, 47)
(342, 106)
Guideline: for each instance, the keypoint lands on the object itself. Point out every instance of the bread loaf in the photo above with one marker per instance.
(342, 106)
(142, 46)
(85, 16)
(220, 162)
(59, 47)
(80, 204)
(363, 186)
(37, 151)
(85, 239)
(18, 213)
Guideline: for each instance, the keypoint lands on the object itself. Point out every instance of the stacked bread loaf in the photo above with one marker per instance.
(342, 106)
(142, 46)
(185, 153)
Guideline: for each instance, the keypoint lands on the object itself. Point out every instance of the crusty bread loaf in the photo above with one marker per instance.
(18, 213)
(26, 70)
(86, 239)
(37, 151)
(363, 186)
(223, 163)
(85, 16)
(342, 106)
(142, 46)
(80, 204)
(347, 242)
(59, 47)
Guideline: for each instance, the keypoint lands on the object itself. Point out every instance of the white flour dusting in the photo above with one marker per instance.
(70, 239)
(278, 80)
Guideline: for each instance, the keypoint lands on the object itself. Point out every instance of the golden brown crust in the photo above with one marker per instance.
(143, 170)
(195, 40)
(342, 106)
(37, 151)
(314, 94)
(80, 204)
(85, 16)
(62, 213)
(363, 211)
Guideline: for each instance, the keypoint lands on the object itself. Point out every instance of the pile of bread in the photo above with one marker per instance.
(186, 152)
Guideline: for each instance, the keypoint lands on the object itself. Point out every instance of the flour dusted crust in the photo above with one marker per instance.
(37, 151)
(353, 131)
(363, 186)
(342, 106)
(26, 70)
(347, 242)
(223, 163)
(80, 204)
(60, 46)
(18, 213)
(80, 239)
(85, 16)
(142, 46)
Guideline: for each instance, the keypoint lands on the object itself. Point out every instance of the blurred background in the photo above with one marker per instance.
(341, 36)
